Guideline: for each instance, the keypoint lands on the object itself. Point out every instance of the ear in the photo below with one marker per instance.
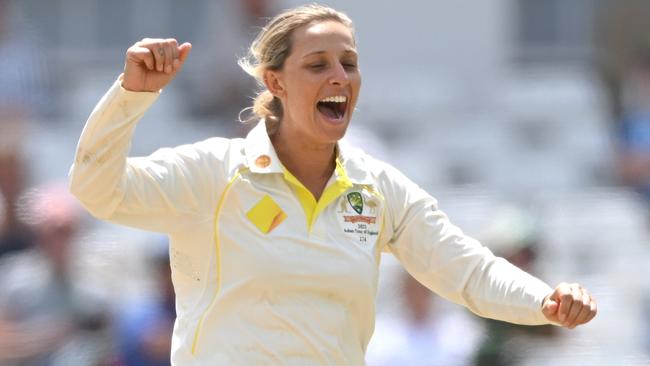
(274, 83)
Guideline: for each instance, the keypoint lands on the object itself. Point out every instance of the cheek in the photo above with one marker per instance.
(303, 97)
(356, 81)
(300, 105)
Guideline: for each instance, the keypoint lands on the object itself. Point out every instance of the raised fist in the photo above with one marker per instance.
(152, 63)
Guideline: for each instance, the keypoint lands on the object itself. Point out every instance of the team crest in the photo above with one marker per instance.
(360, 222)
(356, 201)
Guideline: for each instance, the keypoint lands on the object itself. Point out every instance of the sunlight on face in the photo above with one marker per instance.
(320, 83)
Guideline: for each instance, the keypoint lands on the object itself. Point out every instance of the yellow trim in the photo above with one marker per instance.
(218, 259)
(307, 200)
(333, 191)
(380, 236)
(305, 197)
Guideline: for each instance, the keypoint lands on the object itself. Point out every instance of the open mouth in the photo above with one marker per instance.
(333, 107)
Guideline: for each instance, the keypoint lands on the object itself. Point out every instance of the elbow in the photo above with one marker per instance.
(77, 185)
(94, 196)
(73, 183)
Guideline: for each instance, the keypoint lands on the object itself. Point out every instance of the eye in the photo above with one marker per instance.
(350, 65)
(317, 66)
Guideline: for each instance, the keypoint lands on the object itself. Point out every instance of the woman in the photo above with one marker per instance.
(276, 238)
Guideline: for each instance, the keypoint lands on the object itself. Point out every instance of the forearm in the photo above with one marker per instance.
(499, 290)
(459, 268)
(97, 176)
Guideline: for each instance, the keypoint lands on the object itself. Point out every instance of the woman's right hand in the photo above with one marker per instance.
(152, 63)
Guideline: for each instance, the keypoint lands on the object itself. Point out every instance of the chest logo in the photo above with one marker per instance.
(358, 216)
(356, 201)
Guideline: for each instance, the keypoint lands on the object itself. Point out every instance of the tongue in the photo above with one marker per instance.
(329, 110)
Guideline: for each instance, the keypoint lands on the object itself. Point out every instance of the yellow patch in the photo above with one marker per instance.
(266, 214)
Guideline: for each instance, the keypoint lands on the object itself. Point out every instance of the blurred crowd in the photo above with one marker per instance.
(74, 291)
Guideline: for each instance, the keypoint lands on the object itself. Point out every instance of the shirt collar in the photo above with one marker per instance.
(259, 151)
(353, 163)
(262, 158)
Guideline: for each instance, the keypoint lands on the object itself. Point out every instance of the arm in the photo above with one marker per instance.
(152, 193)
(457, 267)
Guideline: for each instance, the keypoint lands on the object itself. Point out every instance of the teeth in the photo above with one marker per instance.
(335, 99)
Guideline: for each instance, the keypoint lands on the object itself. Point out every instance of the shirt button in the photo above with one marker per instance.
(263, 161)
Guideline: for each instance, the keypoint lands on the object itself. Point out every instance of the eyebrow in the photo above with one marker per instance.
(348, 51)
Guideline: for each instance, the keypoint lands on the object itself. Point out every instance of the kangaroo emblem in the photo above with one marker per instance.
(343, 207)
(372, 205)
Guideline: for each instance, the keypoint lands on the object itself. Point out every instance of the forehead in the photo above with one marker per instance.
(322, 36)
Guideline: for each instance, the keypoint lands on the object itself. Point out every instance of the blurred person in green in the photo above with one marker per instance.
(47, 317)
(512, 234)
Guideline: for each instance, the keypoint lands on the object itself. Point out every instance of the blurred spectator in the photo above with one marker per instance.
(145, 324)
(220, 87)
(14, 235)
(46, 316)
(424, 334)
(513, 235)
(623, 57)
(634, 127)
(24, 81)
(621, 33)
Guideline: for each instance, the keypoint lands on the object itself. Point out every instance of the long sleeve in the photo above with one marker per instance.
(163, 192)
(454, 265)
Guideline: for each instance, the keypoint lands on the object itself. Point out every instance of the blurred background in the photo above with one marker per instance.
(528, 120)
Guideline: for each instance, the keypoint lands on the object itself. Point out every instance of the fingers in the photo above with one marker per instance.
(138, 54)
(576, 306)
(171, 54)
(563, 294)
(164, 55)
(176, 62)
(587, 311)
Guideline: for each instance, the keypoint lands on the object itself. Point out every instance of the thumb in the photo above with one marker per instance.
(184, 51)
(550, 308)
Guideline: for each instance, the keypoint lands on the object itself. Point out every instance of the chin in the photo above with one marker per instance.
(336, 132)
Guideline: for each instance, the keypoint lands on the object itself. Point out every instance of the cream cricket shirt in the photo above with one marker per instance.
(264, 274)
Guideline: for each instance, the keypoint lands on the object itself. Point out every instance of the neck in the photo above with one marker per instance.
(312, 164)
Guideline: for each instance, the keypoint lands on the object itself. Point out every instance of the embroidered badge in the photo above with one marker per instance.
(356, 201)
(360, 225)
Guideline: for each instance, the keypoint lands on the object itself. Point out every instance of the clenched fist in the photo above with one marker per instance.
(152, 63)
(569, 305)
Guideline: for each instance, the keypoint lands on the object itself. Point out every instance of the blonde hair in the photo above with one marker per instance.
(271, 48)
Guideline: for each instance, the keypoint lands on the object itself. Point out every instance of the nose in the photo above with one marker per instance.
(339, 75)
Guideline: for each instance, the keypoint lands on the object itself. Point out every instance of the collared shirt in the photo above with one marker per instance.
(263, 272)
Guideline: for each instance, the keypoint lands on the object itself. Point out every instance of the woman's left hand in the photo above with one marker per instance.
(569, 305)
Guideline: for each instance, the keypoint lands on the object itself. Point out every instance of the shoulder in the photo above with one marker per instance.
(379, 172)
(215, 149)
(399, 192)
